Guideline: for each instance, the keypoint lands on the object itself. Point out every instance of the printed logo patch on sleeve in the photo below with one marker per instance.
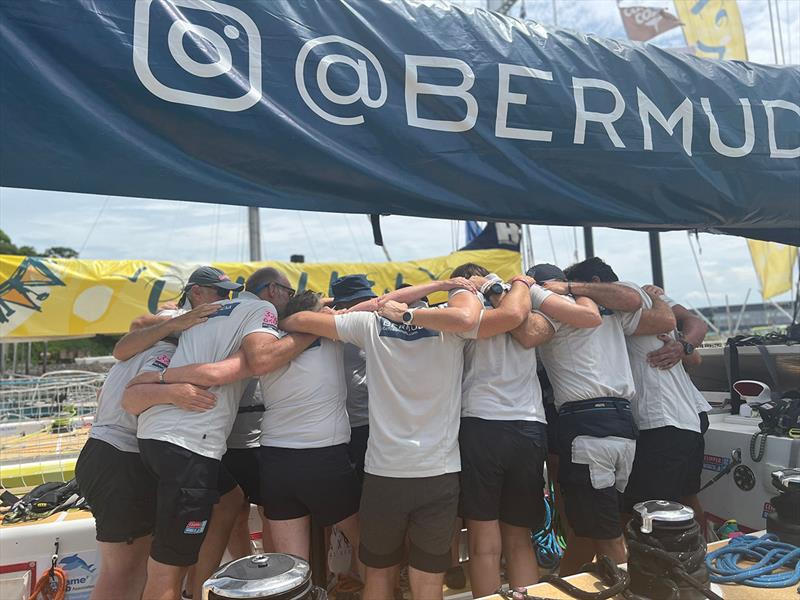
(270, 320)
(195, 527)
(162, 361)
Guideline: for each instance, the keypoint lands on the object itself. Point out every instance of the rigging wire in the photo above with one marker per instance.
(552, 246)
(308, 237)
(216, 231)
(91, 229)
(699, 268)
(353, 237)
(780, 30)
(575, 242)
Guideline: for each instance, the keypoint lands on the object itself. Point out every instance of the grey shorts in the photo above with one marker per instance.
(424, 508)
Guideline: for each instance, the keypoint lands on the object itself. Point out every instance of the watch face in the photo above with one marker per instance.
(688, 348)
(407, 316)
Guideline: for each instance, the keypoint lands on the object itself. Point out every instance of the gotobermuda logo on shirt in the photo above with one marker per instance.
(161, 361)
(270, 320)
(225, 310)
(404, 331)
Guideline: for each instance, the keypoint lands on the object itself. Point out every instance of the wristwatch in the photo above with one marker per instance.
(161, 376)
(688, 347)
(408, 316)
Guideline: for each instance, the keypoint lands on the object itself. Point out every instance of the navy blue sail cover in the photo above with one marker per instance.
(392, 107)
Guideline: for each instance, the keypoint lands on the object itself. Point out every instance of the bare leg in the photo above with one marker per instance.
(222, 519)
(523, 570)
(579, 551)
(292, 536)
(485, 548)
(188, 582)
(163, 581)
(425, 586)
(123, 569)
(613, 549)
(266, 535)
(380, 583)
(239, 539)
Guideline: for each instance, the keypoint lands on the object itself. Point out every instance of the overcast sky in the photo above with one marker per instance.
(121, 228)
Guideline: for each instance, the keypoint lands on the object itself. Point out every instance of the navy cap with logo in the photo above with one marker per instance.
(546, 272)
(351, 287)
(210, 276)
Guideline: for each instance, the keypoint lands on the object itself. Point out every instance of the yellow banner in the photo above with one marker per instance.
(773, 264)
(42, 297)
(713, 27)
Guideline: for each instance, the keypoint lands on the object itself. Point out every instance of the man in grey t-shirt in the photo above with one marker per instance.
(415, 361)
(347, 292)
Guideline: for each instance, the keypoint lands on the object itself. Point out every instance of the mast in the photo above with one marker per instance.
(254, 233)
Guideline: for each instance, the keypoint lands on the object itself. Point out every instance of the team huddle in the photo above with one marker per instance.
(390, 420)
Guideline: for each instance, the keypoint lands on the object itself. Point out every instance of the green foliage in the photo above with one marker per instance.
(8, 247)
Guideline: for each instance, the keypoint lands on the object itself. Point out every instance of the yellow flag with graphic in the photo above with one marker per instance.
(47, 297)
(713, 28)
(773, 264)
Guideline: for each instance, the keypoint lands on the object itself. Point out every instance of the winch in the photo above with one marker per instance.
(785, 521)
(666, 552)
(263, 577)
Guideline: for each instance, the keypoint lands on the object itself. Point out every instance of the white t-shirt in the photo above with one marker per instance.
(246, 431)
(305, 400)
(414, 394)
(500, 381)
(111, 423)
(702, 404)
(214, 340)
(583, 364)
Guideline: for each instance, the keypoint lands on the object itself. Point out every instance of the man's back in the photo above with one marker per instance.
(415, 390)
(216, 339)
(592, 362)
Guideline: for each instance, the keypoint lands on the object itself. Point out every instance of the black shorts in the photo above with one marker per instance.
(119, 489)
(357, 448)
(422, 508)
(596, 440)
(188, 489)
(319, 482)
(502, 471)
(551, 415)
(693, 478)
(662, 469)
(242, 466)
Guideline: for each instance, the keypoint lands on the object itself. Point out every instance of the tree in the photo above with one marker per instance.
(60, 252)
(8, 247)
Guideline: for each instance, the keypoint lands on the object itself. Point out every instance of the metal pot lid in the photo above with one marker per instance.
(261, 575)
(663, 511)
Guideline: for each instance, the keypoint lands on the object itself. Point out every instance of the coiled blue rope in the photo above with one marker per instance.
(768, 555)
(548, 549)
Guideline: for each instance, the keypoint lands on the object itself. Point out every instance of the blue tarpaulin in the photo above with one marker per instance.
(392, 107)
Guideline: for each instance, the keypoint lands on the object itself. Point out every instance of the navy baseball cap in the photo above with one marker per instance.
(211, 276)
(352, 287)
(546, 272)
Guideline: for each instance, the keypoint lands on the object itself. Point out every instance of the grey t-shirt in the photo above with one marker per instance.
(415, 394)
(583, 364)
(305, 400)
(111, 423)
(355, 376)
(246, 431)
(217, 338)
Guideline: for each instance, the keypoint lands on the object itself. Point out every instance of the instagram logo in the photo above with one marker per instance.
(197, 52)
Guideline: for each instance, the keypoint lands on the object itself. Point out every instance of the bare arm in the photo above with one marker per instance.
(509, 313)
(461, 314)
(317, 323)
(693, 329)
(266, 353)
(204, 375)
(139, 398)
(583, 313)
(658, 319)
(414, 293)
(611, 295)
(535, 331)
(140, 339)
